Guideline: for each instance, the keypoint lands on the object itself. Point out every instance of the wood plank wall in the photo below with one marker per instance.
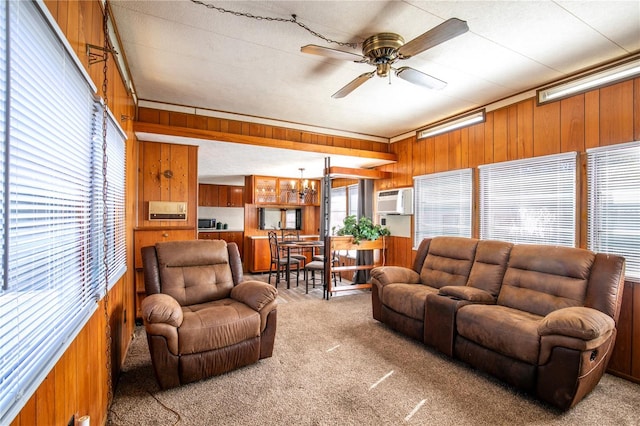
(78, 383)
(606, 116)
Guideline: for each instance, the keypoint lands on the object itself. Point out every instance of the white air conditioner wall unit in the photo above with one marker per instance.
(395, 201)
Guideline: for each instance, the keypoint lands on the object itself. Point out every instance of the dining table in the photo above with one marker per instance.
(288, 245)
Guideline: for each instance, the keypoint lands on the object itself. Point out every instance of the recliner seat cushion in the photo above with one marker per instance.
(407, 299)
(448, 261)
(216, 325)
(504, 330)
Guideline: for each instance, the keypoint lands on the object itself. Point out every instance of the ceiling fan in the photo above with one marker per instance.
(384, 49)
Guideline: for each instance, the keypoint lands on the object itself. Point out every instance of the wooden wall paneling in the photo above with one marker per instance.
(464, 148)
(213, 124)
(197, 121)
(546, 129)
(66, 386)
(512, 133)
(45, 400)
(616, 113)
(488, 138)
(621, 358)
(500, 134)
(572, 124)
(592, 119)
(454, 162)
(525, 128)
(476, 145)
(441, 153)
(635, 333)
(636, 108)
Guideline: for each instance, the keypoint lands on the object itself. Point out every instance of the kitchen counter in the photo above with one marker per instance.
(219, 230)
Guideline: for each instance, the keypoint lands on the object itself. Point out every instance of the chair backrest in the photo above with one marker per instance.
(489, 265)
(273, 246)
(290, 235)
(448, 261)
(192, 271)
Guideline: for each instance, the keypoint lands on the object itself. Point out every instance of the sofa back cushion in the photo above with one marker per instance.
(541, 279)
(448, 261)
(194, 271)
(489, 266)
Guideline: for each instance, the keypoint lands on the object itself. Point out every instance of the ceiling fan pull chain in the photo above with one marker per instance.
(293, 20)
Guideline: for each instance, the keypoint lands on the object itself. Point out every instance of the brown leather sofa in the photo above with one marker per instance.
(541, 318)
(201, 319)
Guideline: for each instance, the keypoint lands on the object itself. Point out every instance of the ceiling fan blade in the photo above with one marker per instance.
(353, 85)
(447, 30)
(331, 53)
(421, 79)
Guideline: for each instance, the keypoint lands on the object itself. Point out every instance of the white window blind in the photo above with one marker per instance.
(443, 204)
(52, 235)
(530, 201)
(613, 179)
(352, 200)
(338, 208)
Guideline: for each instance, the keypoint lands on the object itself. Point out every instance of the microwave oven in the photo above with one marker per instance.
(206, 223)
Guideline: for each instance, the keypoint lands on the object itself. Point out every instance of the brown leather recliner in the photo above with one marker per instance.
(201, 319)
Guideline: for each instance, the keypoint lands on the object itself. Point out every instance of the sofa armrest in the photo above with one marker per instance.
(577, 321)
(471, 294)
(394, 274)
(255, 294)
(162, 308)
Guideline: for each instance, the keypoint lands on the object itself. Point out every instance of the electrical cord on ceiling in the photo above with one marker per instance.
(292, 20)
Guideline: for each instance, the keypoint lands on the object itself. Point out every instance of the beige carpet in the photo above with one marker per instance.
(334, 365)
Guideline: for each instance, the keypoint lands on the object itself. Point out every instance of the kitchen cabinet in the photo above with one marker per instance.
(282, 191)
(143, 238)
(220, 195)
(260, 255)
(208, 195)
(230, 196)
(229, 236)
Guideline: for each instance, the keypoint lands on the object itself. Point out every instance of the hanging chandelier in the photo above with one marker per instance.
(303, 186)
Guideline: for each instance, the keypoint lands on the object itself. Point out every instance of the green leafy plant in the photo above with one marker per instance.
(362, 229)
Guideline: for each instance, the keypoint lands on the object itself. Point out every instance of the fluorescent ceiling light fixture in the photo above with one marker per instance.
(456, 123)
(593, 80)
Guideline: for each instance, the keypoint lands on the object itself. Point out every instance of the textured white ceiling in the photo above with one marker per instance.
(183, 53)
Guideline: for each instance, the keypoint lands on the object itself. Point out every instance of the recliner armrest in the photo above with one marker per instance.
(162, 308)
(471, 294)
(255, 294)
(577, 321)
(394, 274)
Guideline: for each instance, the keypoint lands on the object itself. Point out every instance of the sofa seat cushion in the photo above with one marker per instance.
(407, 299)
(215, 325)
(501, 329)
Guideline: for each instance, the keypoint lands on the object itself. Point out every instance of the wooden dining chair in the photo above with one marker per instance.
(279, 264)
(294, 235)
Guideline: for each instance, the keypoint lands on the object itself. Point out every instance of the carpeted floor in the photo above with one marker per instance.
(334, 365)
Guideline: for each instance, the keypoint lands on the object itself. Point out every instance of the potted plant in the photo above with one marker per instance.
(362, 229)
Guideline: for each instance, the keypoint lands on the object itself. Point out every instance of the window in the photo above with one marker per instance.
(52, 207)
(443, 204)
(338, 208)
(530, 201)
(352, 200)
(613, 179)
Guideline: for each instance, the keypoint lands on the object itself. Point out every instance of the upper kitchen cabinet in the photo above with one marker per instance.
(282, 191)
(167, 172)
(208, 195)
(220, 195)
(230, 196)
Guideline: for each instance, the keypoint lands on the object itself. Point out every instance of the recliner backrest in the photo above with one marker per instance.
(489, 265)
(541, 279)
(194, 271)
(448, 261)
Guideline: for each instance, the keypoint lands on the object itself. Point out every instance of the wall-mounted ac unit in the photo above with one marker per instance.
(395, 201)
(167, 210)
